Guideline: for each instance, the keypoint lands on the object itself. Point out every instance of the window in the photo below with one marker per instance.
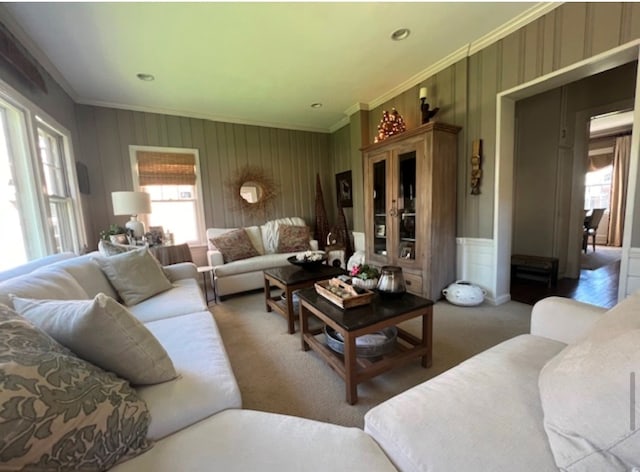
(172, 177)
(39, 200)
(597, 192)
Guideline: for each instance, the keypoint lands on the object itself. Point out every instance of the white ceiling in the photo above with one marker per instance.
(255, 63)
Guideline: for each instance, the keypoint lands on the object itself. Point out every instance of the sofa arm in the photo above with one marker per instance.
(182, 270)
(563, 319)
(215, 258)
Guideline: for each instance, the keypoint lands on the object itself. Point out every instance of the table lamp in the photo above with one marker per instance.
(132, 203)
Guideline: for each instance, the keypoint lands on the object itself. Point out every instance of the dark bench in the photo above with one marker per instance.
(535, 267)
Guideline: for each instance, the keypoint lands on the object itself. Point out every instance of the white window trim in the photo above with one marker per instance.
(133, 149)
(34, 114)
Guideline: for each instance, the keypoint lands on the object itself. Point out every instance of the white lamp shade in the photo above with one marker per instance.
(131, 203)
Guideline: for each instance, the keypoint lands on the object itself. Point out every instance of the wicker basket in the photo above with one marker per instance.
(369, 350)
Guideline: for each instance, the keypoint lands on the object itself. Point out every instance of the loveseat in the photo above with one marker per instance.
(561, 397)
(246, 274)
(195, 419)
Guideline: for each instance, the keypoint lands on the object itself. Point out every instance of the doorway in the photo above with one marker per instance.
(504, 197)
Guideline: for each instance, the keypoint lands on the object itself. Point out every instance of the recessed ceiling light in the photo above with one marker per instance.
(146, 77)
(400, 34)
(316, 105)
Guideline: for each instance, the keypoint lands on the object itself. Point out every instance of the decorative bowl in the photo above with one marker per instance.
(369, 284)
(309, 260)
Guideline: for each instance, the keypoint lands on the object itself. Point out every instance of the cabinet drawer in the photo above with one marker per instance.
(414, 283)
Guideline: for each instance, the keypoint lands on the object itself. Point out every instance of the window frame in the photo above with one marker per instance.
(200, 222)
(22, 136)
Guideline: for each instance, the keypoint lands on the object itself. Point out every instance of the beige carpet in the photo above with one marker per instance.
(275, 375)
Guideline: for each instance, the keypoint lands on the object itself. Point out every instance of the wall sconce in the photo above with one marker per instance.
(427, 114)
(134, 204)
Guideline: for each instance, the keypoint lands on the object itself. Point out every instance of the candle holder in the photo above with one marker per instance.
(427, 113)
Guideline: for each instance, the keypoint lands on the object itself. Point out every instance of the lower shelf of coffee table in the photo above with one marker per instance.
(368, 367)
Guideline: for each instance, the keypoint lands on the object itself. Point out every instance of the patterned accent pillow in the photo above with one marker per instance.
(105, 248)
(235, 245)
(293, 238)
(58, 412)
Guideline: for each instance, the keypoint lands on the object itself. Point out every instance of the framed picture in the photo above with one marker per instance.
(119, 238)
(406, 252)
(344, 189)
(381, 231)
(157, 234)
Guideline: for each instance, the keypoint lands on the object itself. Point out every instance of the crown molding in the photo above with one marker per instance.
(41, 58)
(441, 65)
(356, 107)
(513, 25)
(465, 51)
(201, 116)
(343, 122)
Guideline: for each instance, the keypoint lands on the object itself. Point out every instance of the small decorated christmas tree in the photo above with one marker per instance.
(390, 124)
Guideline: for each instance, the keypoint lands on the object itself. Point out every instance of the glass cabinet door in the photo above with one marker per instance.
(406, 206)
(380, 223)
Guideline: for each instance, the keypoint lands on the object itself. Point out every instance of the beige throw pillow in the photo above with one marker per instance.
(591, 416)
(293, 238)
(107, 248)
(235, 245)
(104, 333)
(136, 275)
(59, 412)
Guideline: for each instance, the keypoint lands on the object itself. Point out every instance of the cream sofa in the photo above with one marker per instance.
(196, 420)
(556, 397)
(246, 274)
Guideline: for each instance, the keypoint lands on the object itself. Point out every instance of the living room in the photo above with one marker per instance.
(475, 87)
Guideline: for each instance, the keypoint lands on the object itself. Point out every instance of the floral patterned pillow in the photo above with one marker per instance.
(293, 238)
(58, 412)
(235, 245)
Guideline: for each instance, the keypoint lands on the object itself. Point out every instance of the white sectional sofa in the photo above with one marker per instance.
(196, 420)
(555, 399)
(246, 274)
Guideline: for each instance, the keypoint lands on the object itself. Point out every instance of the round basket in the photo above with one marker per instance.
(375, 349)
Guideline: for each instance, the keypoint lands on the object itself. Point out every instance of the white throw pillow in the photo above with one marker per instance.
(103, 332)
(590, 413)
(107, 248)
(136, 275)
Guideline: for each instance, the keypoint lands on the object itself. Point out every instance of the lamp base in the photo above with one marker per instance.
(136, 227)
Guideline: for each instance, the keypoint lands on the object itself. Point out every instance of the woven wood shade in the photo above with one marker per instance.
(164, 168)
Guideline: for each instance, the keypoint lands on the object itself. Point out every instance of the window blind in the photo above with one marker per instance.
(163, 168)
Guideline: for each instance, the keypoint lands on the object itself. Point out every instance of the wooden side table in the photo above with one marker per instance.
(204, 270)
(172, 254)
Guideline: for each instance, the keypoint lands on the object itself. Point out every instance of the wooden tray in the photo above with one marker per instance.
(351, 299)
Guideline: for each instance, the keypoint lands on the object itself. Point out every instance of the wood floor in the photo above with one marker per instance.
(598, 287)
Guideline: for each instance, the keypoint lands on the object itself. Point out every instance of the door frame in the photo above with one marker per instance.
(505, 145)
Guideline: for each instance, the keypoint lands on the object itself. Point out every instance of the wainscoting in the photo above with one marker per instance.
(476, 264)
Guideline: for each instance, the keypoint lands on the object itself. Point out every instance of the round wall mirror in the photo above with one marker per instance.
(251, 192)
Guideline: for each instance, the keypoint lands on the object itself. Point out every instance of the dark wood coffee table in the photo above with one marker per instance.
(353, 322)
(292, 278)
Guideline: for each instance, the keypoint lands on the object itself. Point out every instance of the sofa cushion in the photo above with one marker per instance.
(184, 297)
(235, 245)
(255, 264)
(270, 231)
(59, 412)
(205, 384)
(136, 275)
(46, 283)
(104, 333)
(33, 265)
(87, 272)
(246, 440)
(483, 414)
(293, 238)
(256, 238)
(585, 395)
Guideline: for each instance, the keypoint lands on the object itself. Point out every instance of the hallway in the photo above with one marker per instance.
(598, 286)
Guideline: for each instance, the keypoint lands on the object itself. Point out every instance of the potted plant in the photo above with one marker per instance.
(113, 230)
(365, 276)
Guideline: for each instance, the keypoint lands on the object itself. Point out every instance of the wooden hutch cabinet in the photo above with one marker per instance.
(410, 206)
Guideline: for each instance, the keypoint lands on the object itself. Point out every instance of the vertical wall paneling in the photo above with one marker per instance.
(572, 33)
(547, 45)
(606, 33)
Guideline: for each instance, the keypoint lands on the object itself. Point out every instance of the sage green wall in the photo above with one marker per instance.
(466, 91)
(340, 151)
(291, 158)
